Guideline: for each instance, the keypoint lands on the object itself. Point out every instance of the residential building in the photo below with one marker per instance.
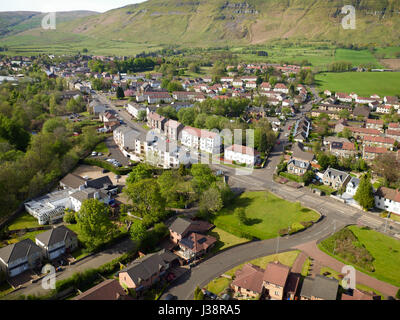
(352, 186)
(195, 245)
(134, 109)
(343, 149)
(242, 154)
(78, 197)
(335, 178)
(383, 142)
(201, 139)
(370, 153)
(173, 129)
(125, 137)
(374, 124)
(388, 200)
(57, 241)
(108, 290)
(275, 282)
(281, 87)
(248, 281)
(361, 112)
(142, 273)
(319, 288)
(394, 134)
(19, 257)
(181, 228)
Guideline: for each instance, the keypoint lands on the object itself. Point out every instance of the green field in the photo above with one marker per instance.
(225, 239)
(25, 220)
(385, 251)
(267, 214)
(363, 83)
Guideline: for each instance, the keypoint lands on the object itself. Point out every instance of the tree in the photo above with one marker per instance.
(169, 182)
(94, 223)
(388, 167)
(69, 217)
(211, 200)
(365, 193)
(138, 232)
(142, 115)
(141, 171)
(120, 93)
(203, 177)
(147, 199)
(174, 86)
(240, 213)
(344, 114)
(308, 177)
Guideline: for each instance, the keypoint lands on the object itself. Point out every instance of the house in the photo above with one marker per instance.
(195, 245)
(394, 126)
(108, 116)
(265, 86)
(333, 115)
(242, 154)
(135, 109)
(145, 272)
(237, 83)
(352, 186)
(201, 139)
(125, 137)
(281, 87)
(158, 97)
(251, 85)
(249, 281)
(108, 290)
(384, 142)
(275, 279)
(78, 197)
(111, 126)
(56, 242)
(388, 200)
(19, 257)
(72, 181)
(327, 93)
(360, 133)
(335, 178)
(343, 97)
(374, 124)
(173, 129)
(319, 288)
(384, 109)
(361, 111)
(343, 149)
(302, 130)
(180, 228)
(340, 125)
(155, 121)
(370, 153)
(300, 161)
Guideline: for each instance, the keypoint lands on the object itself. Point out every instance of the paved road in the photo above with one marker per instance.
(91, 262)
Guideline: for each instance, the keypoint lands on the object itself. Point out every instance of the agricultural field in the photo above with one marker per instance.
(362, 83)
(368, 251)
(266, 215)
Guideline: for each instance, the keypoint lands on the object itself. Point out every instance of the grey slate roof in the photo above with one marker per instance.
(18, 250)
(73, 181)
(320, 287)
(55, 235)
(300, 154)
(180, 225)
(99, 182)
(143, 269)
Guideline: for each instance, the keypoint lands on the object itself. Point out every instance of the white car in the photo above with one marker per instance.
(94, 153)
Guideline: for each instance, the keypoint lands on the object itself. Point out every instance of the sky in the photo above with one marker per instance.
(63, 5)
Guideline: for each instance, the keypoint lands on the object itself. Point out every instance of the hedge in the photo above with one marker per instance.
(108, 166)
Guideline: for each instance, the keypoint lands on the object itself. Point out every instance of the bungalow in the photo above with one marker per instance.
(19, 257)
(242, 154)
(145, 272)
(155, 121)
(173, 129)
(370, 153)
(319, 288)
(335, 178)
(201, 139)
(56, 242)
(388, 200)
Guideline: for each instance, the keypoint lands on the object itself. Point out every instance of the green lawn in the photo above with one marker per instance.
(218, 285)
(326, 189)
(385, 251)
(362, 83)
(102, 147)
(267, 214)
(25, 220)
(290, 176)
(225, 239)
(306, 268)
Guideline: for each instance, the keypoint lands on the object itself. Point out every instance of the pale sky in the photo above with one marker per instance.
(63, 5)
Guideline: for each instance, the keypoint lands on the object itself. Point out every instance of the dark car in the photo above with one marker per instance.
(106, 171)
(170, 297)
(210, 295)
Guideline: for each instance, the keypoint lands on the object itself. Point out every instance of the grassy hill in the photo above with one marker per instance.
(210, 23)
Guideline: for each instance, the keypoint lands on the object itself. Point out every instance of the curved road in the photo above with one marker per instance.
(335, 216)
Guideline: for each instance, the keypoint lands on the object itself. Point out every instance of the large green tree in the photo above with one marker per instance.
(365, 193)
(94, 223)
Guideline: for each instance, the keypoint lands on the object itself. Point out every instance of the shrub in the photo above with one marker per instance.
(69, 217)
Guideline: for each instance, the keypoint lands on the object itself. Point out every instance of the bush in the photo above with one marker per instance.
(69, 217)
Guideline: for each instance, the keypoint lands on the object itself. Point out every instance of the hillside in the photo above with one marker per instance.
(19, 21)
(233, 22)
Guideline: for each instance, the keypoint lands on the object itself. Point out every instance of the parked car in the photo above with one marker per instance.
(105, 171)
(210, 295)
(94, 153)
(170, 297)
(99, 154)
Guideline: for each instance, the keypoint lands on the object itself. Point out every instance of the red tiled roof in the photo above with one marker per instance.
(249, 278)
(368, 149)
(375, 132)
(374, 121)
(379, 139)
(394, 125)
(349, 146)
(200, 242)
(242, 149)
(393, 132)
(155, 116)
(276, 273)
(388, 193)
(201, 133)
